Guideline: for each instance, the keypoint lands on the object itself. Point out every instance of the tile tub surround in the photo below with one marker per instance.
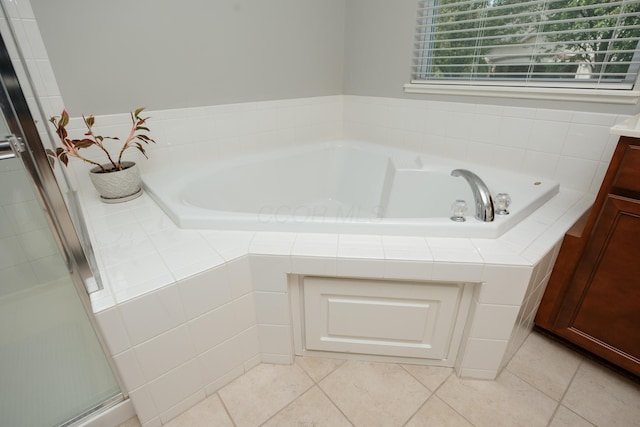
(186, 311)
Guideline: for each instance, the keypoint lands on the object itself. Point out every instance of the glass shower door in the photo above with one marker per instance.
(53, 369)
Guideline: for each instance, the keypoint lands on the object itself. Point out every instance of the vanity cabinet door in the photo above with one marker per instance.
(601, 309)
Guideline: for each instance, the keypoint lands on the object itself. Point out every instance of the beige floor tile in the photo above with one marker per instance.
(209, 412)
(318, 367)
(545, 364)
(311, 409)
(374, 394)
(508, 401)
(263, 391)
(565, 418)
(436, 413)
(603, 397)
(131, 422)
(431, 376)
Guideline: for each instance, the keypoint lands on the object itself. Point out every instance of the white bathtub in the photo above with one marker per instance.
(339, 187)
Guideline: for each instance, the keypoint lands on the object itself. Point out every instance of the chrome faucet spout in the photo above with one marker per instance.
(481, 194)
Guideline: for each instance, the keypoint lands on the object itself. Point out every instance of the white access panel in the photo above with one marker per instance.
(405, 319)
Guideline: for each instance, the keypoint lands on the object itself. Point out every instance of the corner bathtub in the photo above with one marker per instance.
(339, 187)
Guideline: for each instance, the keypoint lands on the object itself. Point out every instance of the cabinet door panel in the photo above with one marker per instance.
(601, 310)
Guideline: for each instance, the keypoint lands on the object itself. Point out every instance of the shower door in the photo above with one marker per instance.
(53, 370)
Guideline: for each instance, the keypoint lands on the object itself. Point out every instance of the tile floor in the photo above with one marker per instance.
(545, 384)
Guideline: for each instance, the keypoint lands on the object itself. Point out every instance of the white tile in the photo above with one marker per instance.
(143, 403)
(554, 115)
(137, 271)
(226, 358)
(152, 314)
(504, 284)
(272, 308)
(130, 370)
(206, 330)
(359, 267)
(477, 374)
(315, 244)
(120, 252)
(175, 386)
(513, 132)
(169, 238)
(313, 265)
(113, 330)
(540, 164)
(128, 291)
(276, 359)
(190, 258)
(360, 246)
(165, 352)
(182, 406)
(453, 250)
(275, 339)
(495, 251)
(11, 252)
(599, 119)
(457, 272)
(494, 321)
(576, 173)
(406, 248)
(484, 354)
(272, 243)
(408, 270)
(244, 313)
(205, 291)
(216, 385)
(548, 136)
(240, 281)
(269, 273)
(586, 141)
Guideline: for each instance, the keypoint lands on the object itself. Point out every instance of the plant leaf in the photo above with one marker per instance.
(143, 128)
(141, 149)
(64, 159)
(64, 119)
(83, 143)
(138, 111)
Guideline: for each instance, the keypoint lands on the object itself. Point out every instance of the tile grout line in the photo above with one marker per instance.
(317, 384)
(426, 400)
(433, 393)
(226, 409)
(559, 401)
(313, 384)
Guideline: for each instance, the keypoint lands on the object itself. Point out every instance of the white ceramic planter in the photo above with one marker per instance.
(118, 186)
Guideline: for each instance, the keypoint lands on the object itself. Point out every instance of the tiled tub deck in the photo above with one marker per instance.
(184, 312)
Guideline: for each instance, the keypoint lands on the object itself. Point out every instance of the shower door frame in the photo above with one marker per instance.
(27, 146)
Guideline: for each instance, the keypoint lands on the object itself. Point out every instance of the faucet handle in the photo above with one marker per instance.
(502, 202)
(459, 209)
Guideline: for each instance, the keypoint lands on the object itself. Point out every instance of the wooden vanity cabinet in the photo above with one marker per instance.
(593, 296)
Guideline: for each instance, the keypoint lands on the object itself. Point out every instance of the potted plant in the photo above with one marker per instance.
(117, 180)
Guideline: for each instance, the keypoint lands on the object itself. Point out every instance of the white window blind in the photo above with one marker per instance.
(579, 44)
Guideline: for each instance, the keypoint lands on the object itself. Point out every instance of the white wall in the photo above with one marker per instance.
(110, 57)
(113, 56)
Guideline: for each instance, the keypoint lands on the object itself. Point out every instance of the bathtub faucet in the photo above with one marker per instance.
(481, 194)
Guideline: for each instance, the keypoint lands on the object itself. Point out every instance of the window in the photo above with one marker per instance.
(579, 48)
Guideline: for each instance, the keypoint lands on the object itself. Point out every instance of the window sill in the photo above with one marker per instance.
(628, 97)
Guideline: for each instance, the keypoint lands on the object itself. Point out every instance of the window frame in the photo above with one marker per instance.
(524, 89)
